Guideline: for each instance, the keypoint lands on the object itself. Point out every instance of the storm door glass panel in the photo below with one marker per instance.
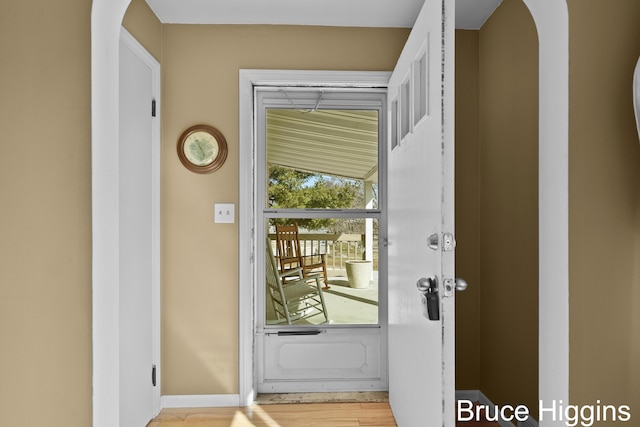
(322, 159)
(322, 183)
(337, 255)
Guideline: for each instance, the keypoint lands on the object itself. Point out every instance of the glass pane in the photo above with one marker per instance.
(322, 159)
(420, 87)
(405, 108)
(394, 124)
(330, 266)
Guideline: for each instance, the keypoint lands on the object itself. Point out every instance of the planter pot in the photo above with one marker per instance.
(359, 273)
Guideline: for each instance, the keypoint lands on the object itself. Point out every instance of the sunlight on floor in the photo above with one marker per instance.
(264, 417)
(280, 415)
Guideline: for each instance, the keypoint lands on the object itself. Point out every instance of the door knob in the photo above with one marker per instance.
(427, 285)
(461, 284)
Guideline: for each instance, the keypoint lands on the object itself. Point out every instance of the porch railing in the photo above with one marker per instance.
(337, 248)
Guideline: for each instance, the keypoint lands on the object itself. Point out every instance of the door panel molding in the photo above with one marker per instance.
(353, 354)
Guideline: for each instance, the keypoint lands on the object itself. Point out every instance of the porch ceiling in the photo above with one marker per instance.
(333, 142)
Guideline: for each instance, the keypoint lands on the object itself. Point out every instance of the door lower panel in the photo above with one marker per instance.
(334, 360)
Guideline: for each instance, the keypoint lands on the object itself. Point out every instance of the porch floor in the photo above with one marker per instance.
(347, 305)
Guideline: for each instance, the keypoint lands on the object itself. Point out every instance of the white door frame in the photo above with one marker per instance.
(247, 202)
(551, 19)
(106, 23)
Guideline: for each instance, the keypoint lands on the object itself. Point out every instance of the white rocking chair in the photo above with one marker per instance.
(299, 298)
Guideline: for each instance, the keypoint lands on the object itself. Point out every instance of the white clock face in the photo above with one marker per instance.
(201, 148)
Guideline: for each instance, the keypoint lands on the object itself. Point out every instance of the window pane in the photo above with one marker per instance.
(420, 87)
(394, 124)
(405, 108)
(322, 159)
(341, 254)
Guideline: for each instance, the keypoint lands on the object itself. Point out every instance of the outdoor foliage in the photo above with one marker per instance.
(292, 189)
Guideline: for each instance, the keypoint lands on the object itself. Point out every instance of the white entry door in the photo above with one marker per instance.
(138, 222)
(421, 352)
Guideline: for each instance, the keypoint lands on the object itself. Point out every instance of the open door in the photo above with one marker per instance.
(421, 218)
(139, 227)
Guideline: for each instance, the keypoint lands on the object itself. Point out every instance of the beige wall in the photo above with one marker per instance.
(145, 26)
(199, 257)
(468, 338)
(604, 185)
(496, 184)
(141, 22)
(45, 228)
(496, 207)
(508, 51)
(45, 214)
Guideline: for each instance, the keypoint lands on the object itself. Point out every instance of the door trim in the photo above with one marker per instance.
(247, 199)
(551, 18)
(106, 32)
(448, 205)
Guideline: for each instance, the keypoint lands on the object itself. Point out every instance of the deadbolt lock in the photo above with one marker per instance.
(448, 242)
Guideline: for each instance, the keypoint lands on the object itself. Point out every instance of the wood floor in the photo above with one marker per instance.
(284, 415)
(289, 415)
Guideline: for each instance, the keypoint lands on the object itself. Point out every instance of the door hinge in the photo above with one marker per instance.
(153, 108)
(153, 375)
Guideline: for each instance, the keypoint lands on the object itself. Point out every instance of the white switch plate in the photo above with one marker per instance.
(224, 213)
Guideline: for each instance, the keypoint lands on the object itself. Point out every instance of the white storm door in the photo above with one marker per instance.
(329, 134)
(421, 362)
(138, 222)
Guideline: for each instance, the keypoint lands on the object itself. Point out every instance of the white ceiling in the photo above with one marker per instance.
(470, 14)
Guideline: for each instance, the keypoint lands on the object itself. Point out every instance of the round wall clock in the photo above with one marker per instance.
(202, 149)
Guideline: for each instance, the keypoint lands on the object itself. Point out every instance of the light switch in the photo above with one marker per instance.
(224, 213)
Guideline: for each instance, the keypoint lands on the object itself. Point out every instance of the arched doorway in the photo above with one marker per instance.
(551, 19)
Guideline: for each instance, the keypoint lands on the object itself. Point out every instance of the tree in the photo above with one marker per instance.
(293, 189)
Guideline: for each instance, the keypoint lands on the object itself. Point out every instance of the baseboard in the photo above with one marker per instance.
(200, 401)
(480, 397)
